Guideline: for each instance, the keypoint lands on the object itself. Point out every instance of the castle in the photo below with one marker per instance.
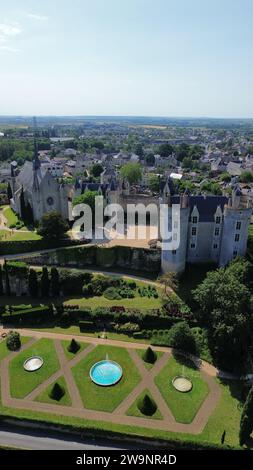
(213, 229)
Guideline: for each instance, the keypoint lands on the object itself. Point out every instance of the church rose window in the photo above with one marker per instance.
(50, 201)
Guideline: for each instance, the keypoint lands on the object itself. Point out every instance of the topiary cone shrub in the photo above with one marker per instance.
(74, 346)
(13, 341)
(57, 392)
(149, 356)
(147, 405)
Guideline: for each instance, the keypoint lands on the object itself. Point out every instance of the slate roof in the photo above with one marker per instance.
(206, 205)
(26, 176)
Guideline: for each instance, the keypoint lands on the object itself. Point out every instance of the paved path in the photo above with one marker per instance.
(118, 416)
(45, 440)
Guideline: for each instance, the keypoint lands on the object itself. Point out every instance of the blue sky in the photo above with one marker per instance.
(127, 57)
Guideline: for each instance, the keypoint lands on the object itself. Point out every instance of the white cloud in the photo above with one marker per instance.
(8, 29)
(37, 17)
(8, 49)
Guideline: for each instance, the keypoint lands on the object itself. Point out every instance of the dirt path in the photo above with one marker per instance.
(118, 416)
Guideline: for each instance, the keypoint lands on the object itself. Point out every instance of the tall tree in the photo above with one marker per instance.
(9, 192)
(55, 282)
(52, 226)
(22, 205)
(224, 307)
(45, 283)
(169, 280)
(1, 281)
(33, 283)
(131, 171)
(96, 169)
(7, 280)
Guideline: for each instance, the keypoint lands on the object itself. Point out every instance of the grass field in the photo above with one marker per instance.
(45, 398)
(134, 410)
(22, 382)
(140, 353)
(105, 398)
(189, 402)
(69, 355)
(11, 217)
(18, 235)
(136, 302)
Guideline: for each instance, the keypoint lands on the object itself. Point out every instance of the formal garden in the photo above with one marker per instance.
(129, 324)
(142, 402)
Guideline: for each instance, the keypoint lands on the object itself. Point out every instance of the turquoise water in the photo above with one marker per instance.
(106, 373)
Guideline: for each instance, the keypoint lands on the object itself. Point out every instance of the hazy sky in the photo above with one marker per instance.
(127, 57)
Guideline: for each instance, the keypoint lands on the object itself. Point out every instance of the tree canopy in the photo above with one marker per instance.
(52, 226)
(223, 299)
(131, 171)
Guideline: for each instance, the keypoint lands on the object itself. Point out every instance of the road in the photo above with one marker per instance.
(42, 440)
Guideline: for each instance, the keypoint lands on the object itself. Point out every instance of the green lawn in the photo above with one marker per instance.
(23, 382)
(140, 353)
(4, 351)
(45, 398)
(18, 235)
(11, 217)
(183, 406)
(134, 410)
(74, 330)
(105, 398)
(69, 355)
(136, 302)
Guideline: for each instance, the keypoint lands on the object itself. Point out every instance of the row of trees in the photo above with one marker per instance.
(46, 285)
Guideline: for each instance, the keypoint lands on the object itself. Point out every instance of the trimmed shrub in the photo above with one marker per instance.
(13, 341)
(86, 325)
(74, 346)
(149, 356)
(181, 337)
(112, 294)
(147, 405)
(57, 392)
(55, 282)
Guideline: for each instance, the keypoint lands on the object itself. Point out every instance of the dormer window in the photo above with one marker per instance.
(194, 220)
(218, 220)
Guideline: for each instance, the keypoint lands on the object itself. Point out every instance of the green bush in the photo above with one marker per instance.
(87, 290)
(149, 356)
(181, 337)
(57, 392)
(112, 294)
(147, 405)
(13, 341)
(86, 325)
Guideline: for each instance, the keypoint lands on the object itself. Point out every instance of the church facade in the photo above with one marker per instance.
(37, 189)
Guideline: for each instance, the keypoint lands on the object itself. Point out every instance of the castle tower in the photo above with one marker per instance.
(237, 216)
(173, 260)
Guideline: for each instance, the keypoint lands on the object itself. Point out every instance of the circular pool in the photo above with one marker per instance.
(33, 363)
(106, 373)
(182, 384)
